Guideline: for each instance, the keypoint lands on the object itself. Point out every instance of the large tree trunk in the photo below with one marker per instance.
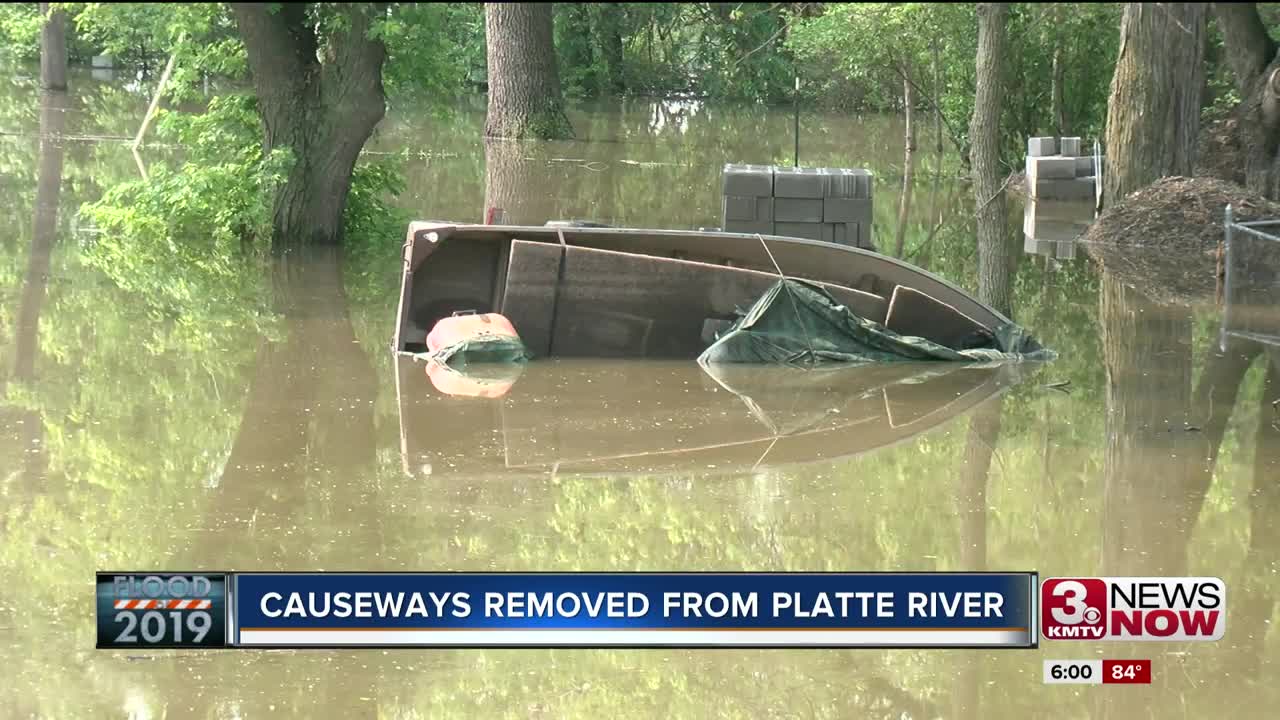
(1153, 114)
(524, 86)
(515, 188)
(1251, 54)
(53, 49)
(994, 252)
(322, 110)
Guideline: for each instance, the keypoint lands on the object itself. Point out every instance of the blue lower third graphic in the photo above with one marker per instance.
(634, 610)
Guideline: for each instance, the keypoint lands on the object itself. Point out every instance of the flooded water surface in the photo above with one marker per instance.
(138, 437)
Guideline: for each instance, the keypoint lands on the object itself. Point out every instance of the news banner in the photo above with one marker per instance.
(666, 610)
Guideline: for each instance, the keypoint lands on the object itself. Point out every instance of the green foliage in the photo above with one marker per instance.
(20, 25)
(434, 50)
(186, 239)
(872, 46)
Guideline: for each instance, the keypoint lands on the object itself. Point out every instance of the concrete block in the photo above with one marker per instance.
(863, 231)
(808, 210)
(1084, 166)
(750, 227)
(1050, 168)
(846, 210)
(1069, 147)
(737, 207)
(1042, 146)
(846, 183)
(838, 233)
(793, 182)
(1055, 189)
(1032, 246)
(810, 231)
(748, 180)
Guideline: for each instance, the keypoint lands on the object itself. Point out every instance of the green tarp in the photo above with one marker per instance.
(484, 349)
(799, 323)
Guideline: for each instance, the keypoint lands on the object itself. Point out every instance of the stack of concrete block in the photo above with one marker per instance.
(1056, 170)
(827, 204)
(1053, 227)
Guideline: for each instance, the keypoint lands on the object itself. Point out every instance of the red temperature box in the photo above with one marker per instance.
(1126, 672)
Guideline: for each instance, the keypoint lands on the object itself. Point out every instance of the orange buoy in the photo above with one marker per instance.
(467, 327)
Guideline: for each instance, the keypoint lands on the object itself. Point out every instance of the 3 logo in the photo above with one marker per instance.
(1133, 608)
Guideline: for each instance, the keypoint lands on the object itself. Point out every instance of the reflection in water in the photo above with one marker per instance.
(567, 417)
(159, 451)
(28, 427)
(308, 418)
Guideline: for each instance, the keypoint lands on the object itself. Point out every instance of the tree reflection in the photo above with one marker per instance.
(307, 424)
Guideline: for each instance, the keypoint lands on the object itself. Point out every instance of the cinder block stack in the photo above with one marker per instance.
(827, 204)
(1057, 171)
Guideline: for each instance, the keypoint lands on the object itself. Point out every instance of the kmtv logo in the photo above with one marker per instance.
(1133, 608)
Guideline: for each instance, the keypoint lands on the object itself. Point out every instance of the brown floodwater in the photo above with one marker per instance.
(142, 433)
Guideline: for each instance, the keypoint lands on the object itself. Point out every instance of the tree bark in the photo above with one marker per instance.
(994, 252)
(323, 110)
(53, 48)
(525, 99)
(514, 186)
(610, 34)
(1057, 93)
(937, 93)
(1153, 114)
(1252, 56)
(904, 206)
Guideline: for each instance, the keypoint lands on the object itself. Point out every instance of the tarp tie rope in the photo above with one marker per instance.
(795, 302)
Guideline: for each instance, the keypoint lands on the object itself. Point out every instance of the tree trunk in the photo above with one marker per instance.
(1153, 114)
(524, 86)
(610, 34)
(1056, 94)
(515, 188)
(904, 206)
(994, 252)
(321, 110)
(937, 95)
(53, 49)
(1251, 54)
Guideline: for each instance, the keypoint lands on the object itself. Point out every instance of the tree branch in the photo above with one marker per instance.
(1248, 46)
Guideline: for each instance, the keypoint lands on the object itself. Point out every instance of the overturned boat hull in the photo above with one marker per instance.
(629, 293)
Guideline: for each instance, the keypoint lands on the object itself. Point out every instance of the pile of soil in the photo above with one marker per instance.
(1164, 240)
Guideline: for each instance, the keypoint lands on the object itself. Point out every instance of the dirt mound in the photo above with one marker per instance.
(1164, 239)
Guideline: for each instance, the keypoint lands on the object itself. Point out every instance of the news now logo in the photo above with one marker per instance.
(1133, 608)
